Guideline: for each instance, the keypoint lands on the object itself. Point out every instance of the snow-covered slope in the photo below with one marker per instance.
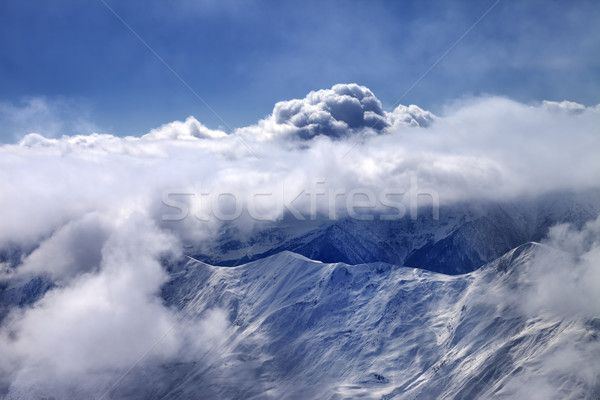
(305, 329)
(295, 328)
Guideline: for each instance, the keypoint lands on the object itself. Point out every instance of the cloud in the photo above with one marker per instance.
(72, 249)
(566, 106)
(189, 129)
(337, 112)
(568, 282)
(49, 117)
(409, 116)
(560, 288)
(81, 336)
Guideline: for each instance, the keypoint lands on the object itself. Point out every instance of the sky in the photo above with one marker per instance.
(71, 67)
(98, 147)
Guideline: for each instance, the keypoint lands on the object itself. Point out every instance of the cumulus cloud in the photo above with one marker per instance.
(409, 116)
(189, 129)
(331, 112)
(565, 106)
(337, 112)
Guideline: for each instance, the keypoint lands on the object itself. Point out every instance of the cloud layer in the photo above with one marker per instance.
(482, 148)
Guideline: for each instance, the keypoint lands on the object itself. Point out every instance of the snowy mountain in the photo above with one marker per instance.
(304, 329)
(524, 325)
(466, 236)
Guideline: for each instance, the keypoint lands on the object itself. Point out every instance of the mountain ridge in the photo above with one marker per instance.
(466, 237)
(320, 317)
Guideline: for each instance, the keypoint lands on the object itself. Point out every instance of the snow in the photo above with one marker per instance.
(331, 330)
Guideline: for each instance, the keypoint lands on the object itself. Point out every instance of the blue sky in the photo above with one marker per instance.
(85, 71)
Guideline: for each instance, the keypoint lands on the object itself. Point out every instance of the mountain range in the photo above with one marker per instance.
(407, 309)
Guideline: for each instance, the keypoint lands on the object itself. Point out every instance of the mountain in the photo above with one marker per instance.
(466, 236)
(305, 329)
(297, 328)
(462, 319)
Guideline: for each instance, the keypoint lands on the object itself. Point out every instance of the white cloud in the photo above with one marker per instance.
(568, 283)
(566, 106)
(409, 116)
(560, 287)
(72, 249)
(189, 129)
(49, 117)
(83, 335)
